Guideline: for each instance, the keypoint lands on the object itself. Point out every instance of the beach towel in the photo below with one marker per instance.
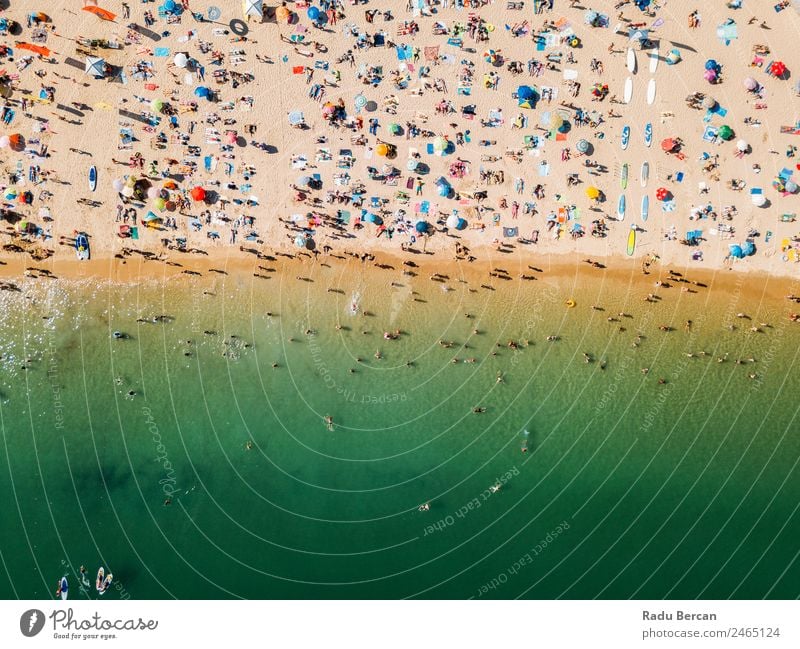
(134, 232)
(161, 51)
(544, 168)
(431, 53)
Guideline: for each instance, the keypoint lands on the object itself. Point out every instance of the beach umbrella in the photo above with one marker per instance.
(253, 8)
(180, 60)
(790, 187)
(735, 251)
(748, 248)
(38, 49)
(382, 149)
(759, 200)
(443, 189)
(169, 5)
(439, 144)
(394, 129)
(725, 132)
(711, 64)
(313, 13)
(230, 137)
(152, 192)
(198, 194)
(710, 75)
(592, 192)
(778, 184)
(750, 84)
(282, 14)
(159, 203)
(15, 141)
(709, 102)
(668, 144)
(422, 227)
(127, 191)
(525, 92)
(452, 220)
(10, 194)
(662, 194)
(296, 117)
(777, 69)
(673, 57)
(304, 181)
(157, 105)
(582, 146)
(95, 67)
(202, 92)
(300, 241)
(22, 226)
(105, 14)
(360, 101)
(742, 146)
(118, 184)
(462, 224)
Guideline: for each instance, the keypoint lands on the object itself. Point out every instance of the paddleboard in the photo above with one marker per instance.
(645, 174)
(628, 92)
(92, 178)
(631, 240)
(98, 584)
(63, 588)
(648, 134)
(653, 60)
(631, 61)
(651, 91)
(645, 207)
(623, 179)
(626, 137)
(621, 208)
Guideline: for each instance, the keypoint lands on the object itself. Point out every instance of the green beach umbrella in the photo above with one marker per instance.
(725, 132)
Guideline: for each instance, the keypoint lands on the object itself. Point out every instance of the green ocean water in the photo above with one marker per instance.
(628, 488)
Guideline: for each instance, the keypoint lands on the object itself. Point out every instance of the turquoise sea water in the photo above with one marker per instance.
(628, 488)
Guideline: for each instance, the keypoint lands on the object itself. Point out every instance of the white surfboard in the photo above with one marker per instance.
(631, 61)
(651, 91)
(645, 174)
(653, 60)
(628, 92)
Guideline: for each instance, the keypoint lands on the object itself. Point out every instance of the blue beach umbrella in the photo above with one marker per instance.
(736, 251)
(202, 92)
(748, 248)
(169, 5)
(313, 13)
(711, 64)
(300, 241)
(422, 227)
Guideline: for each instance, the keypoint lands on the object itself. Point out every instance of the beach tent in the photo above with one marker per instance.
(95, 67)
(100, 12)
(527, 97)
(253, 9)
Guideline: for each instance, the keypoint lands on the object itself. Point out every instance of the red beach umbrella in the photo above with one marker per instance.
(198, 194)
(662, 193)
(668, 145)
(777, 69)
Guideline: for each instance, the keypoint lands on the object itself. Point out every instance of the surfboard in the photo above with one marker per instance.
(626, 137)
(630, 61)
(92, 178)
(645, 207)
(63, 588)
(623, 179)
(648, 134)
(651, 92)
(653, 60)
(628, 92)
(645, 174)
(631, 240)
(621, 208)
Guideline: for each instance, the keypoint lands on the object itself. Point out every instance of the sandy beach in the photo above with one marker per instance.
(186, 104)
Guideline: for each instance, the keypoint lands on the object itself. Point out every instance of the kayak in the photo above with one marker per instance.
(631, 240)
(621, 208)
(92, 178)
(648, 134)
(626, 136)
(623, 179)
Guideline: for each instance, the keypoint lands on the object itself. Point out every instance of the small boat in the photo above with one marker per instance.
(653, 60)
(92, 178)
(645, 174)
(630, 60)
(623, 179)
(648, 134)
(645, 207)
(626, 137)
(627, 93)
(621, 208)
(82, 246)
(651, 92)
(631, 240)
(63, 588)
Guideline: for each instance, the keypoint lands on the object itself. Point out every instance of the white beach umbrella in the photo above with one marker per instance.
(180, 60)
(95, 67)
(742, 146)
(252, 8)
(452, 221)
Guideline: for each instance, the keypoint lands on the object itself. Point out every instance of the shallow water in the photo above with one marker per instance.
(628, 488)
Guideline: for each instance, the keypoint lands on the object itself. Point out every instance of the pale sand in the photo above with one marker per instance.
(277, 91)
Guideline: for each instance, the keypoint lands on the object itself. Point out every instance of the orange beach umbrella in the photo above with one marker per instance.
(99, 11)
(39, 49)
